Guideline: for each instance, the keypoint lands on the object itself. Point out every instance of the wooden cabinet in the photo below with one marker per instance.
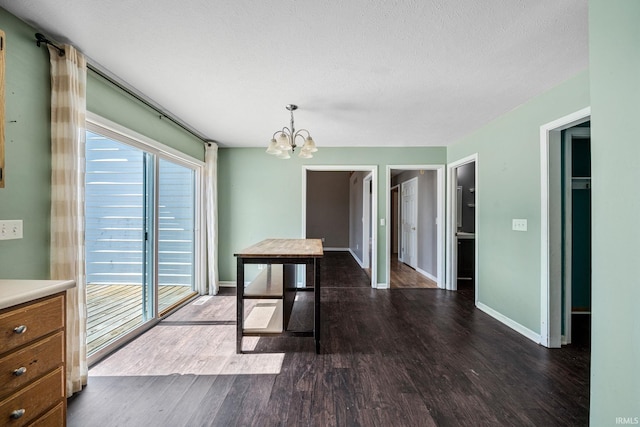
(32, 363)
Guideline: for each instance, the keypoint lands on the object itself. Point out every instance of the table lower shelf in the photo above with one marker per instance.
(263, 316)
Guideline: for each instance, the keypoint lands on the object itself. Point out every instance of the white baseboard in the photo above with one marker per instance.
(533, 336)
(427, 275)
(227, 284)
(358, 260)
(336, 249)
(382, 286)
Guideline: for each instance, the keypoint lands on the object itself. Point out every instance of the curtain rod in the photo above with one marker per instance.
(40, 39)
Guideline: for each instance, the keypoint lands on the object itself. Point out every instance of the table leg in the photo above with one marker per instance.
(316, 299)
(239, 305)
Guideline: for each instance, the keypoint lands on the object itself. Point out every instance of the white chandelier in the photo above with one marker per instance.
(284, 140)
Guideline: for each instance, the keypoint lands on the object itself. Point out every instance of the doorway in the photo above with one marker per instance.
(362, 216)
(566, 229)
(462, 228)
(415, 233)
(576, 229)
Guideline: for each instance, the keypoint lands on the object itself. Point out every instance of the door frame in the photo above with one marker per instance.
(440, 214)
(373, 169)
(395, 188)
(550, 218)
(367, 243)
(452, 221)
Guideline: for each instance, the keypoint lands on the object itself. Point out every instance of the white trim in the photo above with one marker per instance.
(549, 303)
(336, 249)
(426, 274)
(440, 214)
(366, 220)
(452, 183)
(533, 336)
(358, 260)
(398, 231)
(106, 127)
(374, 203)
(227, 284)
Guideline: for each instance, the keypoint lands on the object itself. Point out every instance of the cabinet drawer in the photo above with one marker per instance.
(34, 399)
(35, 360)
(54, 418)
(38, 319)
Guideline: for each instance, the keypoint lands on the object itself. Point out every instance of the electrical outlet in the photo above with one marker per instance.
(10, 229)
(519, 225)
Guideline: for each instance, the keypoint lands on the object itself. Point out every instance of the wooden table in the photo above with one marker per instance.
(278, 282)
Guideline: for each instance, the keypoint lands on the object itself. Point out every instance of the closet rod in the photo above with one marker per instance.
(40, 39)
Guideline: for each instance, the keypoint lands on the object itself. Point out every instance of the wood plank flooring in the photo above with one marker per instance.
(116, 309)
(403, 276)
(395, 357)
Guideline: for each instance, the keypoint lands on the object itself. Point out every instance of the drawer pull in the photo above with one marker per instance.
(20, 329)
(18, 413)
(20, 371)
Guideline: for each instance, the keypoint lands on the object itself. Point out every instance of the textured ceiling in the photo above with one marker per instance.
(364, 73)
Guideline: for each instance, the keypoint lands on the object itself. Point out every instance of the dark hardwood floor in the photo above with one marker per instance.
(395, 357)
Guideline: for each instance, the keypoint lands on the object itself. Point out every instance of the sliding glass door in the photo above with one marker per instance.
(140, 236)
(176, 232)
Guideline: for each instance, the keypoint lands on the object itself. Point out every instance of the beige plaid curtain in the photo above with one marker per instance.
(211, 212)
(68, 108)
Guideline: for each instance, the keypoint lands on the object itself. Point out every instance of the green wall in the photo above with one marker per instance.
(125, 110)
(260, 196)
(26, 194)
(509, 187)
(614, 43)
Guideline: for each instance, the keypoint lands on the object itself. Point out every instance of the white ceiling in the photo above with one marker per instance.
(363, 72)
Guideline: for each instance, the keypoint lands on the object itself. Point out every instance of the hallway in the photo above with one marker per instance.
(411, 357)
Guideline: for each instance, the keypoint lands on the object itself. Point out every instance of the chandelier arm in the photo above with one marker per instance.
(298, 134)
(284, 130)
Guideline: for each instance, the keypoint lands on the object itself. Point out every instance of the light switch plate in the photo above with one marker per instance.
(10, 229)
(519, 225)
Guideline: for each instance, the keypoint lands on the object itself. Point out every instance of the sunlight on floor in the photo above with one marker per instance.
(188, 348)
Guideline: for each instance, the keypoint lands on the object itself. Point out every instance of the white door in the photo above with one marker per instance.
(410, 222)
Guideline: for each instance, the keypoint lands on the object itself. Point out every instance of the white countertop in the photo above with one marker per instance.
(16, 291)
